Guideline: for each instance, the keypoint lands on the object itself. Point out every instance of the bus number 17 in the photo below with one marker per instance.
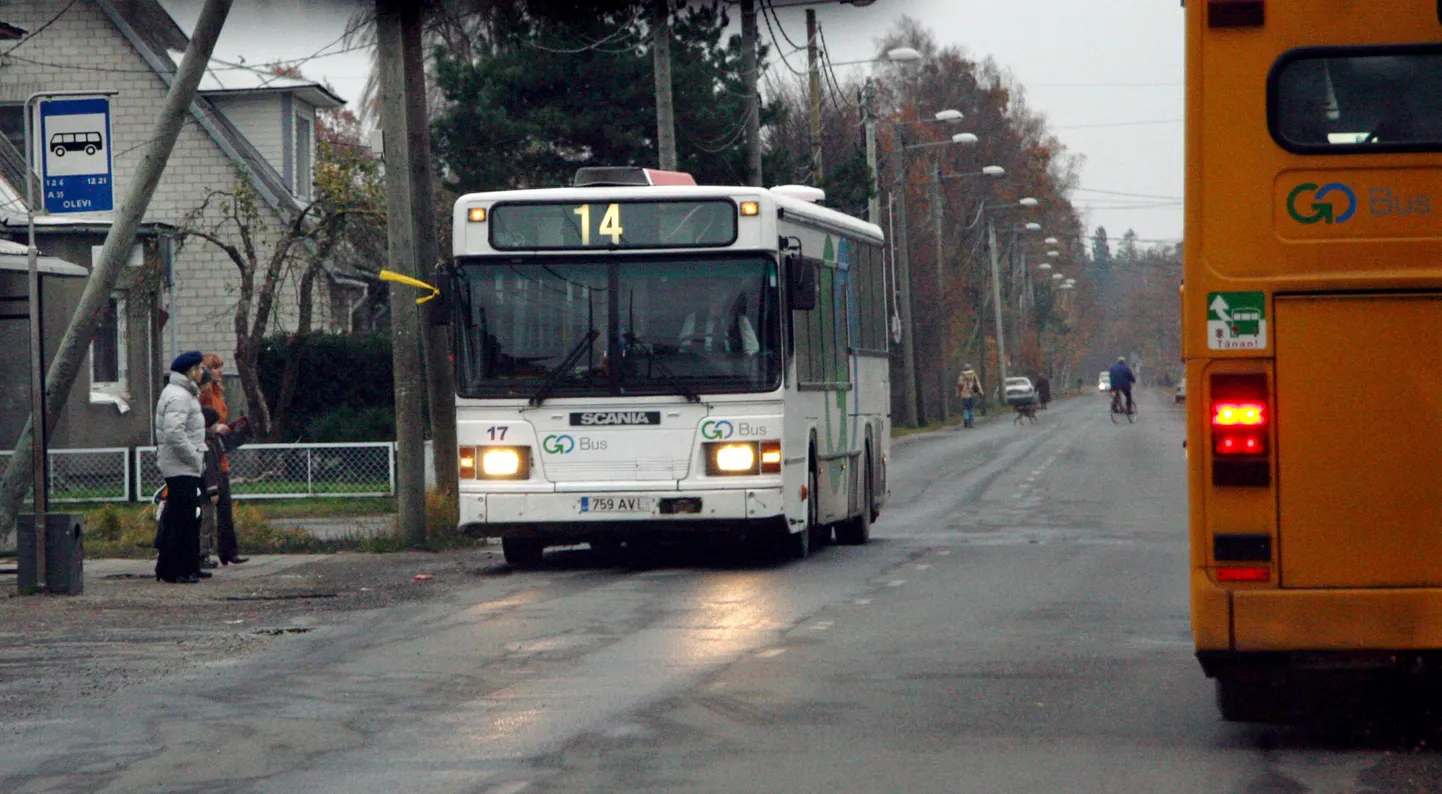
(497, 433)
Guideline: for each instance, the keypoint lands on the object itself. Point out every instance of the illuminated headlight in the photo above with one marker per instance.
(505, 463)
(731, 458)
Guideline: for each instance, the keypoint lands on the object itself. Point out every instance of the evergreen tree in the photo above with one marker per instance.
(558, 90)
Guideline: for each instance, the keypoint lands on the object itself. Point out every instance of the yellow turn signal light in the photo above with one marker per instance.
(750, 208)
(477, 215)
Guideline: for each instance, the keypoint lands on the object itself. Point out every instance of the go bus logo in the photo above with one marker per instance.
(1322, 210)
(1336, 202)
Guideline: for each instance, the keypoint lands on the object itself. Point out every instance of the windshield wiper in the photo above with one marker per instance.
(645, 349)
(560, 369)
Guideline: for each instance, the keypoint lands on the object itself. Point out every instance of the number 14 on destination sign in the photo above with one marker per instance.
(610, 223)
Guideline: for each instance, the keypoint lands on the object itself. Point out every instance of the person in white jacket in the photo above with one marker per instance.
(180, 455)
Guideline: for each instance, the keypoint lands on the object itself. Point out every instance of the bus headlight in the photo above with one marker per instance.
(733, 458)
(505, 463)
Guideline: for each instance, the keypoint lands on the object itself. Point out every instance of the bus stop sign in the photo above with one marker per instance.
(73, 143)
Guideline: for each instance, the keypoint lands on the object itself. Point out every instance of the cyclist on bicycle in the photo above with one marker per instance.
(1122, 380)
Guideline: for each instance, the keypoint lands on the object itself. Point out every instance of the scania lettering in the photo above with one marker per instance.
(637, 356)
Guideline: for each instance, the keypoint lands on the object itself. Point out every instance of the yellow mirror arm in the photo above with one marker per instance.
(391, 275)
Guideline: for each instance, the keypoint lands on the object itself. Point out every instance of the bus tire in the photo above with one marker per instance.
(1243, 700)
(522, 552)
(857, 531)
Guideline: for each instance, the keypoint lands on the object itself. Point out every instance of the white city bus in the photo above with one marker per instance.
(638, 356)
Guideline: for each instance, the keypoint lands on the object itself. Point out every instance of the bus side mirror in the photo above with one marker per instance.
(800, 282)
(440, 306)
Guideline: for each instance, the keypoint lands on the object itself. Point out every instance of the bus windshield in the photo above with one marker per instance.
(581, 327)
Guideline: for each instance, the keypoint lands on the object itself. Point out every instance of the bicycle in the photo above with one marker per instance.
(1119, 409)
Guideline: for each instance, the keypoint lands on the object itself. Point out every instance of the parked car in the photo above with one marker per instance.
(1019, 391)
(1104, 382)
(1181, 391)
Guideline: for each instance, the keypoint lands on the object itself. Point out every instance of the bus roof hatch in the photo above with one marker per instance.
(628, 176)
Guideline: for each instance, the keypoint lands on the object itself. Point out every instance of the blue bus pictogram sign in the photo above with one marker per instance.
(74, 153)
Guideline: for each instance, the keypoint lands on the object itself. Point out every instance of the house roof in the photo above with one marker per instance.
(234, 79)
(154, 34)
(47, 265)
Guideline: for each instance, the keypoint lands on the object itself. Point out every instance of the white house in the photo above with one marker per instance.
(246, 123)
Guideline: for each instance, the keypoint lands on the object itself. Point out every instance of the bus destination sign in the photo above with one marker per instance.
(706, 223)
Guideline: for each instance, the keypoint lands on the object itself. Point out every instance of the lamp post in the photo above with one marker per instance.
(1025, 203)
(902, 259)
(943, 375)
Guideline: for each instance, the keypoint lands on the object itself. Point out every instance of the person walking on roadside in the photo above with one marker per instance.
(213, 397)
(968, 388)
(180, 455)
(1043, 390)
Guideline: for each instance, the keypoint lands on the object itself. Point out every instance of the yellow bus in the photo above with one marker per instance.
(1312, 333)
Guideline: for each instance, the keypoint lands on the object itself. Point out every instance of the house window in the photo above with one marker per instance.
(12, 126)
(108, 348)
(304, 157)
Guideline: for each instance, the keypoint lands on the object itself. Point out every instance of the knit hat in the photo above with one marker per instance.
(186, 360)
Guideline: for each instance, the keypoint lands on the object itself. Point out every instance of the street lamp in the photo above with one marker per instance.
(1044, 266)
(1053, 254)
(1050, 241)
(901, 252)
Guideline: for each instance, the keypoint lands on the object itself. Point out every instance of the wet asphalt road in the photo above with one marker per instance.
(1018, 624)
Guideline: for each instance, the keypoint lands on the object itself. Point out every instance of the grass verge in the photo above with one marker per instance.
(128, 530)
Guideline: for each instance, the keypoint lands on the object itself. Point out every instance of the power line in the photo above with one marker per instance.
(1118, 124)
(765, 14)
(1120, 193)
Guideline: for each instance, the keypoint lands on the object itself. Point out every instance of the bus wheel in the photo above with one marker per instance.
(856, 531)
(522, 552)
(1251, 701)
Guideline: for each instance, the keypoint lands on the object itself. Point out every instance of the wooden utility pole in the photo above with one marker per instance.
(753, 97)
(903, 278)
(665, 108)
(440, 377)
(996, 301)
(873, 200)
(813, 67)
(392, 19)
(942, 331)
(119, 241)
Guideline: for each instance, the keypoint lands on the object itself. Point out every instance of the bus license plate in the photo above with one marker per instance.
(616, 504)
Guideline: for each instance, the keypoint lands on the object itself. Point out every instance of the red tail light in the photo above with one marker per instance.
(1241, 429)
(1232, 414)
(1244, 574)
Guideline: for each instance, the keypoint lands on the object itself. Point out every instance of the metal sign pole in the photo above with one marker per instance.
(38, 426)
(40, 488)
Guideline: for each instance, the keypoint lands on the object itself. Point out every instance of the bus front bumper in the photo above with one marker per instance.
(503, 511)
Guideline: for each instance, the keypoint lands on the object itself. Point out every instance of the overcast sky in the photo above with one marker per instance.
(1107, 74)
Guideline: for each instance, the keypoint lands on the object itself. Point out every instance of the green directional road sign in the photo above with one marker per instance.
(1237, 320)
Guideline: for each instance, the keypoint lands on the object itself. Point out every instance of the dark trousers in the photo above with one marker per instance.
(228, 546)
(180, 529)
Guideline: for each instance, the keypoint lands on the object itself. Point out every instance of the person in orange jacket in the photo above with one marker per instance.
(213, 397)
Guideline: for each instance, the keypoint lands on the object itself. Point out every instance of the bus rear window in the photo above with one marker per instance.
(1340, 100)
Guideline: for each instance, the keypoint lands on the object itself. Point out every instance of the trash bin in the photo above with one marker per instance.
(64, 552)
